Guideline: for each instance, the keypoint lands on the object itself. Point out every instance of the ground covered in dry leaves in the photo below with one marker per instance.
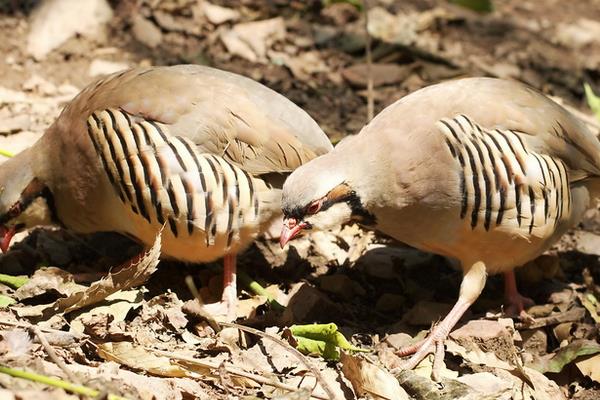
(72, 314)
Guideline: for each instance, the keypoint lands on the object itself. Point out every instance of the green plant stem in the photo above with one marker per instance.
(14, 282)
(257, 289)
(55, 382)
(6, 153)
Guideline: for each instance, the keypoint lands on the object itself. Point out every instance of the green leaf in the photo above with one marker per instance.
(6, 301)
(321, 348)
(592, 100)
(566, 355)
(321, 339)
(482, 6)
(14, 282)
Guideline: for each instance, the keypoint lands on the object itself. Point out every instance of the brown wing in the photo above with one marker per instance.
(223, 113)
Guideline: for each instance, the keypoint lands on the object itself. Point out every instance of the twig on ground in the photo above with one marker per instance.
(27, 325)
(232, 370)
(288, 348)
(201, 310)
(55, 382)
(53, 356)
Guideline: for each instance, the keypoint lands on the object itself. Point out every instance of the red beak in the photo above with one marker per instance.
(291, 228)
(6, 235)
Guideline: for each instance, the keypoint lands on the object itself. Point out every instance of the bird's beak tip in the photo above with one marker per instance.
(6, 235)
(289, 230)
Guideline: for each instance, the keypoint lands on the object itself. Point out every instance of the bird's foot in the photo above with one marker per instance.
(226, 308)
(433, 344)
(515, 305)
(220, 310)
(514, 302)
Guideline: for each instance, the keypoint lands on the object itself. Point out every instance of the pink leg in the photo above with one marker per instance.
(515, 302)
(228, 304)
(229, 297)
(470, 289)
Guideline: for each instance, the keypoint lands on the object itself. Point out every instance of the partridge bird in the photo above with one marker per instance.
(486, 171)
(197, 150)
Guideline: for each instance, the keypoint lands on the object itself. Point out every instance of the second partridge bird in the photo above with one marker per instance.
(485, 171)
(200, 151)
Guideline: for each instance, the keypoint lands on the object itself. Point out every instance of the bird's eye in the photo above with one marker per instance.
(314, 207)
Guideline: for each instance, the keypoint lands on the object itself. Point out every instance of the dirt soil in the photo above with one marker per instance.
(151, 341)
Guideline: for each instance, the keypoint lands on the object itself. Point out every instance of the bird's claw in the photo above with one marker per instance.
(433, 344)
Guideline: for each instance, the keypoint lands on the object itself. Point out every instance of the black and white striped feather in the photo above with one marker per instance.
(165, 180)
(504, 184)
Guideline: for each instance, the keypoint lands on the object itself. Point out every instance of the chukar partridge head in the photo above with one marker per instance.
(199, 151)
(485, 171)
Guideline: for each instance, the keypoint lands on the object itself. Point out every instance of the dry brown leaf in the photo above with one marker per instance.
(131, 276)
(369, 379)
(117, 305)
(48, 279)
(134, 357)
(476, 356)
(590, 366)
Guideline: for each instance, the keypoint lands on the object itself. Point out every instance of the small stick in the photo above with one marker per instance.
(52, 354)
(232, 370)
(27, 325)
(55, 382)
(6, 153)
(288, 348)
(201, 310)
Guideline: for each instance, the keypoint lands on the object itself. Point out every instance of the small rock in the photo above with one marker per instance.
(39, 85)
(340, 13)
(564, 296)
(386, 262)
(55, 21)
(166, 21)
(563, 331)
(146, 32)
(67, 89)
(489, 336)
(382, 74)
(308, 304)
(251, 40)
(540, 310)
(398, 340)
(104, 67)
(579, 34)
(486, 383)
(217, 15)
(341, 285)
(587, 242)
(480, 329)
(426, 312)
(535, 341)
(389, 302)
